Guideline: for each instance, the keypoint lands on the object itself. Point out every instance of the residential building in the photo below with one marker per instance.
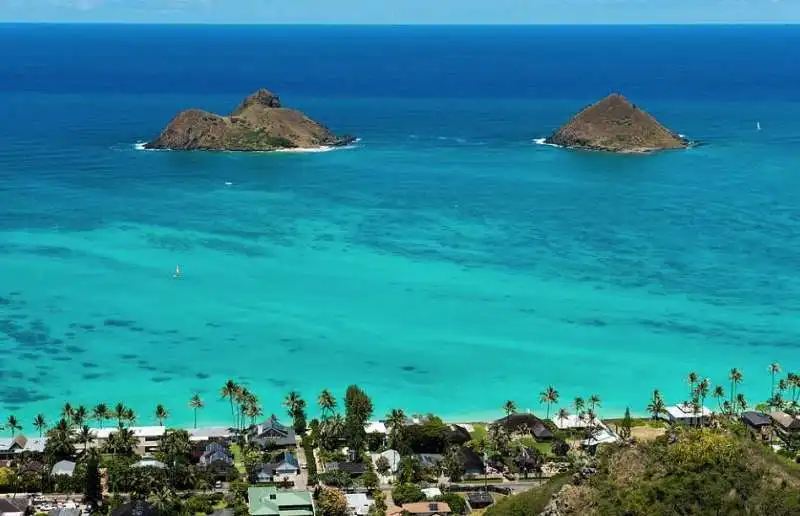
(65, 511)
(268, 501)
(572, 421)
(64, 467)
(216, 453)
(479, 499)
(358, 504)
(526, 424)
(431, 492)
(136, 508)
(9, 507)
(354, 469)
(427, 509)
(10, 447)
(688, 415)
(759, 424)
(786, 426)
(149, 463)
(392, 456)
(376, 427)
(211, 433)
(149, 437)
(284, 467)
(271, 433)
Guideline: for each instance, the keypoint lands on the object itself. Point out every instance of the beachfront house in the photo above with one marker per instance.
(358, 504)
(268, 501)
(787, 427)
(571, 422)
(11, 447)
(526, 424)
(759, 424)
(148, 437)
(272, 434)
(686, 414)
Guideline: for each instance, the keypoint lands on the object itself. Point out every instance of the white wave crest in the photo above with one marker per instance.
(543, 141)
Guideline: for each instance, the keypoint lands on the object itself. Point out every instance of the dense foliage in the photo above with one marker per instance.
(407, 493)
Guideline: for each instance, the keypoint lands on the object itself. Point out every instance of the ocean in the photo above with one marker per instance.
(446, 263)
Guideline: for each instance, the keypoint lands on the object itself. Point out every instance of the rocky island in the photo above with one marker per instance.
(260, 123)
(616, 125)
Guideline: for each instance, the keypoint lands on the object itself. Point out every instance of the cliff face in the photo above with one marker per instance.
(259, 123)
(616, 125)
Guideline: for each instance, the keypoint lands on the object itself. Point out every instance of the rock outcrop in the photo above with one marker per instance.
(616, 125)
(259, 123)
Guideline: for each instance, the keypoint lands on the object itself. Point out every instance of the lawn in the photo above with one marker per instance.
(238, 458)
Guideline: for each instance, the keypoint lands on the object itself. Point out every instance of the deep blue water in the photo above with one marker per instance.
(446, 263)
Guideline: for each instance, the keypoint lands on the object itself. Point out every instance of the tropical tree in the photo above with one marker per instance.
(594, 402)
(656, 407)
(562, 415)
(85, 436)
(79, 416)
(736, 378)
(326, 403)
(59, 442)
(396, 421)
(196, 403)
(100, 413)
(627, 424)
(229, 391)
(719, 394)
(161, 413)
(509, 408)
(741, 402)
(702, 391)
(691, 379)
(40, 423)
(119, 413)
(578, 404)
(121, 442)
(549, 396)
(13, 424)
(93, 491)
(774, 368)
(130, 416)
(67, 411)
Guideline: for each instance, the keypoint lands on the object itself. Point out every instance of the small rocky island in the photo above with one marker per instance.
(616, 125)
(260, 123)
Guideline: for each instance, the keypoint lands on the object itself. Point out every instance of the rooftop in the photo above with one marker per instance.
(268, 501)
(687, 411)
(786, 421)
(571, 421)
(138, 431)
(757, 419)
(427, 508)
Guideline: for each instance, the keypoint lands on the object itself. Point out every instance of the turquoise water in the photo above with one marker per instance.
(445, 264)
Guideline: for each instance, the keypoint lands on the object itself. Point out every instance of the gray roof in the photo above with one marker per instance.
(63, 467)
(757, 419)
(11, 506)
(271, 431)
(65, 512)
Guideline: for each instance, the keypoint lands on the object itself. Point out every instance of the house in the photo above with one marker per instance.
(65, 511)
(15, 507)
(149, 437)
(10, 447)
(473, 463)
(358, 504)
(430, 460)
(354, 469)
(136, 508)
(458, 435)
(285, 466)
(149, 463)
(216, 453)
(688, 415)
(600, 436)
(786, 426)
(268, 501)
(212, 433)
(572, 421)
(376, 427)
(479, 499)
(526, 424)
(271, 433)
(431, 492)
(63, 467)
(392, 456)
(427, 509)
(758, 423)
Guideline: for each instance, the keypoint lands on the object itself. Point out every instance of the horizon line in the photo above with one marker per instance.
(423, 24)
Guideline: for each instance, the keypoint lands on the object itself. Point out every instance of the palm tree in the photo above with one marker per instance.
(85, 436)
(79, 416)
(291, 402)
(327, 403)
(735, 377)
(122, 442)
(702, 390)
(718, 394)
(562, 415)
(253, 411)
(774, 368)
(229, 391)
(13, 425)
(656, 407)
(119, 413)
(100, 413)
(741, 403)
(59, 440)
(509, 408)
(161, 414)
(549, 396)
(691, 378)
(578, 404)
(66, 412)
(195, 404)
(40, 424)
(594, 401)
(130, 416)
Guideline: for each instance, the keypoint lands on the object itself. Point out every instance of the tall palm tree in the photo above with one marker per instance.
(656, 407)
(195, 404)
(130, 416)
(13, 424)
(291, 403)
(736, 378)
(594, 402)
(40, 424)
(66, 412)
(718, 394)
(253, 411)
(702, 391)
(509, 408)
(100, 413)
(691, 379)
(774, 368)
(85, 436)
(549, 396)
(161, 414)
(741, 402)
(327, 403)
(229, 391)
(562, 415)
(578, 404)
(79, 416)
(119, 413)
(396, 419)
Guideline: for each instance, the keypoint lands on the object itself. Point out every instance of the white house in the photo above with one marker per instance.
(376, 427)
(149, 437)
(687, 415)
(358, 504)
(571, 421)
(431, 492)
(392, 456)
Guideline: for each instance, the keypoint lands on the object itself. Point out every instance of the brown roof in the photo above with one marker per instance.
(786, 421)
(427, 508)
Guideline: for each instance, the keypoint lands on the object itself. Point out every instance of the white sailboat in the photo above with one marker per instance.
(758, 126)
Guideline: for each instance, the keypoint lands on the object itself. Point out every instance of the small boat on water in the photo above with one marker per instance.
(758, 126)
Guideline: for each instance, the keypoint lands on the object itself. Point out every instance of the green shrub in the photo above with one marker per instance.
(407, 493)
